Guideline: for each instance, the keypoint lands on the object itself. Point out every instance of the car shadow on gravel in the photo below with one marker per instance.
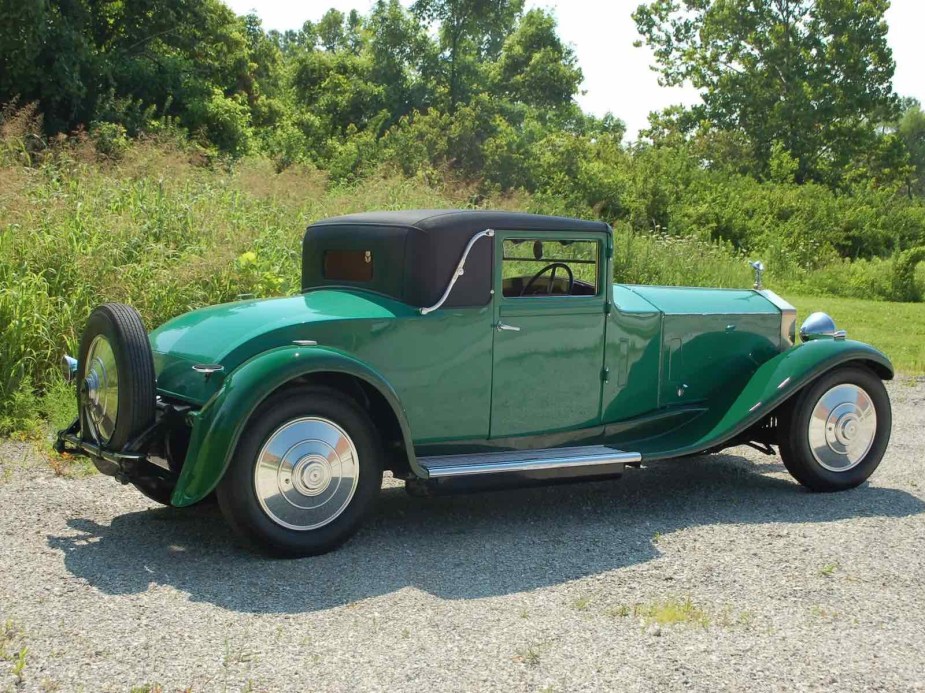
(458, 547)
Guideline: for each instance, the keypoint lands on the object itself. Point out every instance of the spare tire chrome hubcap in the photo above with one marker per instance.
(306, 473)
(100, 389)
(842, 427)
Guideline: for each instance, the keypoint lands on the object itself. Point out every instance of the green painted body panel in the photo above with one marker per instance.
(231, 333)
(732, 411)
(633, 357)
(218, 425)
(670, 346)
(547, 376)
(660, 370)
(706, 355)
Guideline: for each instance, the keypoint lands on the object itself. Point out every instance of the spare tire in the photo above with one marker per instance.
(116, 388)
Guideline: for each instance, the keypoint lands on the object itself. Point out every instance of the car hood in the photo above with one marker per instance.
(231, 333)
(673, 300)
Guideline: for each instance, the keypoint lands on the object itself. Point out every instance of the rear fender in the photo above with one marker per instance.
(775, 381)
(217, 427)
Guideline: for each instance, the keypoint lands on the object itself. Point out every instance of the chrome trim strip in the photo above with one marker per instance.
(208, 368)
(305, 342)
(460, 268)
(778, 302)
(524, 461)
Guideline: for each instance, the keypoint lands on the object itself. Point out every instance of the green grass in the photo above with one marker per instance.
(897, 329)
(672, 611)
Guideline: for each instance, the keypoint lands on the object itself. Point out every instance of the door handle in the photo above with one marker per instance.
(504, 327)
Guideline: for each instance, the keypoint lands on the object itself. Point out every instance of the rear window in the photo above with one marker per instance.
(348, 265)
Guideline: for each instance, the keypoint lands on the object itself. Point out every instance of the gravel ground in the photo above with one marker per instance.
(557, 589)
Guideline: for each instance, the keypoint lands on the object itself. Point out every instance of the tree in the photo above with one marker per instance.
(472, 32)
(911, 130)
(814, 76)
(535, 67)
(46, 56)
(402, 57)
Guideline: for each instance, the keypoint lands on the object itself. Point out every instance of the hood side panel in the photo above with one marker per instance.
(708, 342)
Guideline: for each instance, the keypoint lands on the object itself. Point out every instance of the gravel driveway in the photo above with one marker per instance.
(714, 573)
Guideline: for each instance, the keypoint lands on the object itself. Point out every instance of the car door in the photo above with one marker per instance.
(548, 351)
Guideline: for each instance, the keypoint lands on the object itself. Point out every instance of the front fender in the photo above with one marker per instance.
(218, 425)
(772, 384)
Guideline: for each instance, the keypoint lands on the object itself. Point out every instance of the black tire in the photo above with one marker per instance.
(121, 326)
(795, 448)
(237, 492)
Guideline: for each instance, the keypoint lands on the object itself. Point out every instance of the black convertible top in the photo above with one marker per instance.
(466, 221)
(413, 253)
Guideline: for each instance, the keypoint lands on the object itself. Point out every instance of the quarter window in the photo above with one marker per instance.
(348, 265)
(533, 267)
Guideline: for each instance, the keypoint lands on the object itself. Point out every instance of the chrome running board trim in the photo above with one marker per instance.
(440, 466)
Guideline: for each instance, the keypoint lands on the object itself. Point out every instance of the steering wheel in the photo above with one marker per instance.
(552, 266)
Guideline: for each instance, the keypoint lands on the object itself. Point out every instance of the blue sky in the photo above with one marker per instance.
(617, 75)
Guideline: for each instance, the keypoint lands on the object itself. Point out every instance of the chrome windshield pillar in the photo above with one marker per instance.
(460, 269)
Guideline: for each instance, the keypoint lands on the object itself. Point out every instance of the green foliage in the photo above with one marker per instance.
(20, 410)
(535, 67)
(810, 76)
(911, 130)
(224, 121)
(471, 34)
(110, 139)
(905, 287)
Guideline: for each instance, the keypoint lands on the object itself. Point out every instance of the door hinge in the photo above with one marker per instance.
(607, 307)
(605, 374)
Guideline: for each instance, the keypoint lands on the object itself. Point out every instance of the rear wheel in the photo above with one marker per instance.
(115, 377)
(306, 471)
(837, 431)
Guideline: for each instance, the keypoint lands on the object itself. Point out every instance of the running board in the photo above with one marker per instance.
(577, 460)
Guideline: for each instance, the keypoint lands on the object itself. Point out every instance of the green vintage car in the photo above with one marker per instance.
(460, 350)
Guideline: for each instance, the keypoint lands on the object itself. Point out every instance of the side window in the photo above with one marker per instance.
(533, 267)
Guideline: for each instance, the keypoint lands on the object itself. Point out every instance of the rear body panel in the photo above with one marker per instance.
(440, 364)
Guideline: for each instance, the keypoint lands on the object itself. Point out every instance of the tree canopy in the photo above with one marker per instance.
(809, 78)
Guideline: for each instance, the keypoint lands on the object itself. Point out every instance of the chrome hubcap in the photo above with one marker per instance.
(842, 427)
(306, 473)
(100, 389)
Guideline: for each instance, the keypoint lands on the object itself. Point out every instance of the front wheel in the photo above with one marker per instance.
(306, 471)
(836, 433)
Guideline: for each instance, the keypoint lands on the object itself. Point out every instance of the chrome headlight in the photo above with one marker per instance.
(820, 326)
